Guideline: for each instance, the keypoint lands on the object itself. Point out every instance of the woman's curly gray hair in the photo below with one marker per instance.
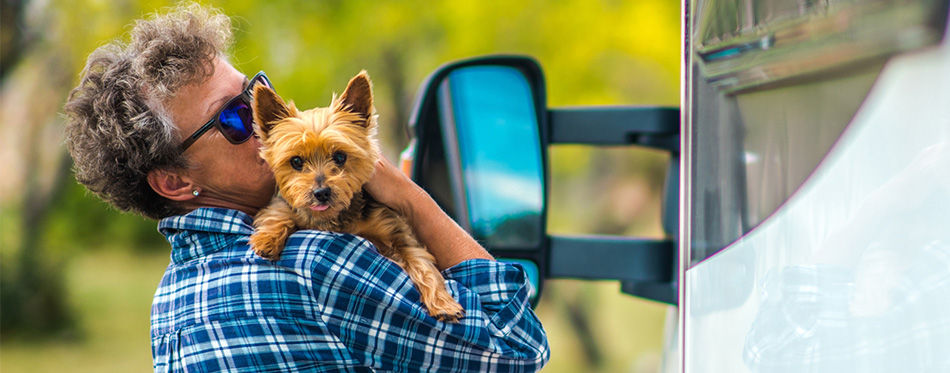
(117, 130)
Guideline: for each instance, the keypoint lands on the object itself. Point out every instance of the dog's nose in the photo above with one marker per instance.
(322, 195)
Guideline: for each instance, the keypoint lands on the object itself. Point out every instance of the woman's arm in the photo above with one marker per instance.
(441, 235)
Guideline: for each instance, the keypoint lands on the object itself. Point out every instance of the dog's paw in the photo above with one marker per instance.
(265, 246)
(448, 316)
(447, 311)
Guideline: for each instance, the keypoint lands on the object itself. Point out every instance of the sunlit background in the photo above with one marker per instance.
(77, 277)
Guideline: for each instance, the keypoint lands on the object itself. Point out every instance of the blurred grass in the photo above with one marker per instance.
(111, 293)
(628, 330)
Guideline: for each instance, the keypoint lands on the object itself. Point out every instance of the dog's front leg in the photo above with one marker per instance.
(420, 266)
(274, 224)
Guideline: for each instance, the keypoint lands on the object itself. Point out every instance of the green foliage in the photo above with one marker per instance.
(34, 303)
(85, 223)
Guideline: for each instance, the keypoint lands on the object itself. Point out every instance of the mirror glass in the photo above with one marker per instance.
(499, 146)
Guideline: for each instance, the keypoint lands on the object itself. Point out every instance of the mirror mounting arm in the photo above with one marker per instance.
(610, 258)
(654, 127)
(645, 268)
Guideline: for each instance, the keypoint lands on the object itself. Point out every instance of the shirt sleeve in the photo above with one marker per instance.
(373, 307)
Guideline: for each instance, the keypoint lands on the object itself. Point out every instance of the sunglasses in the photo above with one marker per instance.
(235, 119)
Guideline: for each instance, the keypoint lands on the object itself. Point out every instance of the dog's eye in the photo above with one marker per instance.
(339, 158)
(296, 163)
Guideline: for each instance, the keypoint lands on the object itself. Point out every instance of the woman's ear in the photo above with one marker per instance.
(171, 185)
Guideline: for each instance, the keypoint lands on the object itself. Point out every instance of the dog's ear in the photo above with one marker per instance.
(269, 109)
(358, 96)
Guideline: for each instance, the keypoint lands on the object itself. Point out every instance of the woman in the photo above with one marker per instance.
(160, 127)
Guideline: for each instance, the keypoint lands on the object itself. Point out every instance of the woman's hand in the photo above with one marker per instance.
(392, 188)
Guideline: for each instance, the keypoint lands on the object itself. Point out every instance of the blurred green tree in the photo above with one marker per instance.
(593, 52)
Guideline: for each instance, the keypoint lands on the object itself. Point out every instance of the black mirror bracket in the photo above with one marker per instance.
(646, 268)
(653, 127)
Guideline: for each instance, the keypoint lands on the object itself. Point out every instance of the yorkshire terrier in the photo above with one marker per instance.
(321, 159)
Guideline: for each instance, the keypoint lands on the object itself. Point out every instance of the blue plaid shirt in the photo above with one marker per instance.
(331, 303)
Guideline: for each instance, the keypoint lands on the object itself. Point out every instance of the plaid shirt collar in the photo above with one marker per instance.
(204, 231)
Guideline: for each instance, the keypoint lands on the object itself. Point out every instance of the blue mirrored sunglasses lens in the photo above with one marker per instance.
(236, 121)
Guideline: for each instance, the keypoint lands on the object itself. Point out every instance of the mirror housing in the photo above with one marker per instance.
(490, 114)
(478, 130)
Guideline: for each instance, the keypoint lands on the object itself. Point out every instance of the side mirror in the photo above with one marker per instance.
(480, 134)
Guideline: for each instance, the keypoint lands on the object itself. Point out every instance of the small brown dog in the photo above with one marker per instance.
(321, 158)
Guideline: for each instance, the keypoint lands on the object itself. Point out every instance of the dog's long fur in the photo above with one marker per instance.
(321, 159)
